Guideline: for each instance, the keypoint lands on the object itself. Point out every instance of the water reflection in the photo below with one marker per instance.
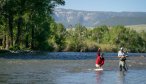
(121, 77)
(99, 77)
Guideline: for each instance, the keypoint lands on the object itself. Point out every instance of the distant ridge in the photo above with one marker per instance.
(70, 17)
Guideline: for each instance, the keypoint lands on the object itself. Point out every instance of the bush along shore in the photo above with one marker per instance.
(82, 39)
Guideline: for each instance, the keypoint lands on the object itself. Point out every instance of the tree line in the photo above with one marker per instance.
(29, 25)
(26, 23)
(83, 39)
(109, 38)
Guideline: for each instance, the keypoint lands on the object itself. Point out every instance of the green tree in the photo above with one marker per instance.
(27, 18)
(98, 32)
(57, 36)
(75, 38)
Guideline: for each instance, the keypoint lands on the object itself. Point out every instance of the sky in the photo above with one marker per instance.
(106, 5)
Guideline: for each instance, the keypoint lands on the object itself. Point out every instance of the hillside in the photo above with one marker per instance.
(138, 28)
(71, 17)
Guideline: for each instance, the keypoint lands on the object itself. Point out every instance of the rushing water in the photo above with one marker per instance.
(68, 68)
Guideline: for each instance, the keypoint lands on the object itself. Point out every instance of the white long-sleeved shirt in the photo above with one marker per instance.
(120, 53)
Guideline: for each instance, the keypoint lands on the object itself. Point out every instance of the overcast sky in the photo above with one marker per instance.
(106, 5)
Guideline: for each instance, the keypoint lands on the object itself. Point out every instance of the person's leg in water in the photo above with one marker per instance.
(120, 65)
(124, 66)
(98, 66)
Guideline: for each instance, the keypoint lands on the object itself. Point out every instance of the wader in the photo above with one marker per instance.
(122, 65)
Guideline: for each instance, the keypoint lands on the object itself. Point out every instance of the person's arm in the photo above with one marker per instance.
(102, 62)
(98, 52)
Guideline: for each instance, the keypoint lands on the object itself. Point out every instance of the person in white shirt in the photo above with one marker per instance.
(122, 61)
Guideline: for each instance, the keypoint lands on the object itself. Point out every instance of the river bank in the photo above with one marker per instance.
(18, 51)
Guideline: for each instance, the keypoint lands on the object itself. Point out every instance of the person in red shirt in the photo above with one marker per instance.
(99, 59)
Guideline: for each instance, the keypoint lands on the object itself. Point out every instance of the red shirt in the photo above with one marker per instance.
(99, 60)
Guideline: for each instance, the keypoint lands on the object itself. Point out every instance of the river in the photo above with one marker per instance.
(70, 68)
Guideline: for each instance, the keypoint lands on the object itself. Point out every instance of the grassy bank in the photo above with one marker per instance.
(138, 28)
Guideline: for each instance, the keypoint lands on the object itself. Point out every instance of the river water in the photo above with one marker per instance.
(70, 68)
